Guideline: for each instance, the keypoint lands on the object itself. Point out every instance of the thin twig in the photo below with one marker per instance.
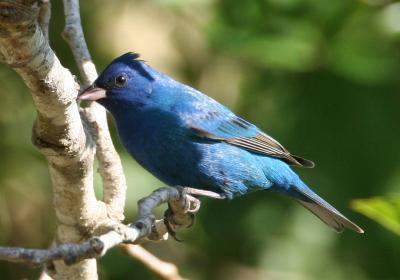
(73, 35)
(163, 270)
(44, 16)
(44, 276)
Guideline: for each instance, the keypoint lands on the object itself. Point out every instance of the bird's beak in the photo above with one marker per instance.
(92, 93)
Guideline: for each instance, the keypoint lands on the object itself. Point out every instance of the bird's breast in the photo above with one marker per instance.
(163, 148)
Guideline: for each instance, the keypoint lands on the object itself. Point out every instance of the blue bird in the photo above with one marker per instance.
(186, 138)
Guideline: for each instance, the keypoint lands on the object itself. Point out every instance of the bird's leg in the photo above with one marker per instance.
(146, 220)
(189, 204)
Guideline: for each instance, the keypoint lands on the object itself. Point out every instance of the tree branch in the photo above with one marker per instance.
(44, 16)
(73, 35)
(163, 270)
(110, 167)
(143, 228)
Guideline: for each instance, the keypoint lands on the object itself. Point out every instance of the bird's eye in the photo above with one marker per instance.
(121, 80)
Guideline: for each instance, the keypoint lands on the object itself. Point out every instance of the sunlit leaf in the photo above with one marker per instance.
(384, 210)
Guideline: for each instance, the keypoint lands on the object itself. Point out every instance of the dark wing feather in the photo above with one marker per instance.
(238, 132)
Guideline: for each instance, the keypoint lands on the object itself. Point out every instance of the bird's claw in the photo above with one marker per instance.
(192, 219)
(169, 221)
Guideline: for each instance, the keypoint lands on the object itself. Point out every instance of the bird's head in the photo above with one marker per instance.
(126, 81)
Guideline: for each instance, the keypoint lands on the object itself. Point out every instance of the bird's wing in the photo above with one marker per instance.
(229, 128)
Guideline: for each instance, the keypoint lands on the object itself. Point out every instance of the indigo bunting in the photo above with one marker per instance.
(186, 138)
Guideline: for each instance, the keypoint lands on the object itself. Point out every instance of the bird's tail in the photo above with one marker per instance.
(322, 209)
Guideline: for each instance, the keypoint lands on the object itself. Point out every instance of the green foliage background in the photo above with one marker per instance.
(321, 77)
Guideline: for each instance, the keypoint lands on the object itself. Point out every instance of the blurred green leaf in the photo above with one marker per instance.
(384, 210)
(295, 49)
